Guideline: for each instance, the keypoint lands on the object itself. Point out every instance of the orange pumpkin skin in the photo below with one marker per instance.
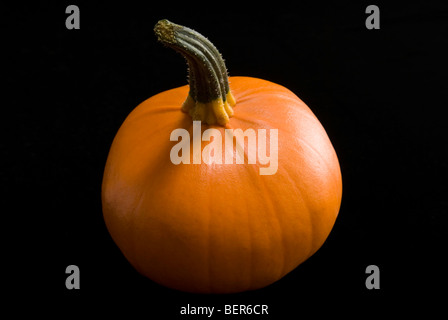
(221, 228)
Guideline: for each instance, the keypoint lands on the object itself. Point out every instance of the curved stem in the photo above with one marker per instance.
(210, 99)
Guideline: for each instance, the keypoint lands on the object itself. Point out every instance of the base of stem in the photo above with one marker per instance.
(213, 112)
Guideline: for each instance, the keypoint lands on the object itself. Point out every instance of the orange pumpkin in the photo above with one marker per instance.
(219, 227)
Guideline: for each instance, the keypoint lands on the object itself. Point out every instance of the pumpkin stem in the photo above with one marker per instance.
(210, 99)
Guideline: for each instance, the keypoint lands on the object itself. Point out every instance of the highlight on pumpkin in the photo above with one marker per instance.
(210, 99)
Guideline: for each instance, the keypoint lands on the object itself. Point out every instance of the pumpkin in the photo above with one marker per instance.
(219, 227)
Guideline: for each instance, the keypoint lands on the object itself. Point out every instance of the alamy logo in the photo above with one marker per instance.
(233, 145)
(72, 21)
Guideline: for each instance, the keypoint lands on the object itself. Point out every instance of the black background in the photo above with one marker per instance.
(380, 94)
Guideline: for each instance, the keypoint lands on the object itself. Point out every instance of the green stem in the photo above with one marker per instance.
(210, 99)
